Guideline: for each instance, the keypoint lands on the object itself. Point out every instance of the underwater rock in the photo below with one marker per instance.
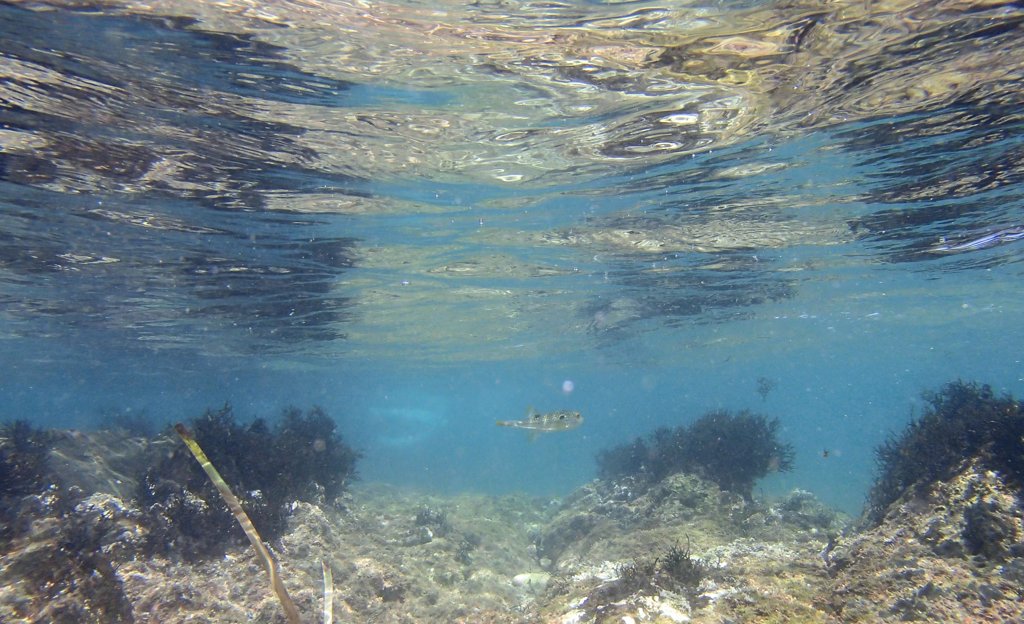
(123, 535)
(682, 549)
(602, 513)
(797, 516)
(943, 552)
(60, 569)
(943, 526)
(105, 461)
(532, 582)
(419, 535)
(92, 462)
(566, 530)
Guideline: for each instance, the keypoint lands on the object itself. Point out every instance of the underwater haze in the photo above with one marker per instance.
(425, 217)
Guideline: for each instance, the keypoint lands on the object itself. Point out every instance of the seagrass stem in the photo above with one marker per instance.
(262, 552)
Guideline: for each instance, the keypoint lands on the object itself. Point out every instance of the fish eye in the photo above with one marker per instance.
(561, 417)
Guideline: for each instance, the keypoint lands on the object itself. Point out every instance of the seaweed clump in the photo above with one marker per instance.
(302, 457)
(732, 450)
(680, 570)
(962, 421)
(24, 458)
(677, 570)
(24, 470)
(434, 519)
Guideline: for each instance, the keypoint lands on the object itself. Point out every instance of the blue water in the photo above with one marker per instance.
(186, 220)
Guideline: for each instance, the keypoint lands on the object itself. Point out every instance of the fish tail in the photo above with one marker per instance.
(504, 423)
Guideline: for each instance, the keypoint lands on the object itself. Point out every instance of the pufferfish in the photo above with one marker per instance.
(537, 423)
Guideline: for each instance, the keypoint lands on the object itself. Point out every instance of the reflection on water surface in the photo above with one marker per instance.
(500, 174)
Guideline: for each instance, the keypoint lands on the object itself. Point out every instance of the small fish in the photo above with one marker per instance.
(537, 423)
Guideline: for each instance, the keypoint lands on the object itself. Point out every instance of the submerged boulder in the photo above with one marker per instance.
(942, 538)
(949, 551)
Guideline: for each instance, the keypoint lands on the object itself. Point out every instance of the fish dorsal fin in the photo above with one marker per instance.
(530, 412)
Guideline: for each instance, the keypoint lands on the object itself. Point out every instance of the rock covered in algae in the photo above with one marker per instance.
(941, 538)
(950, 551)
(60, 566)
(683, 550)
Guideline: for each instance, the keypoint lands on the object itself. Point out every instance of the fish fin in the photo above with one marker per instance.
(505, 423)
(532, 437)
(530, 412)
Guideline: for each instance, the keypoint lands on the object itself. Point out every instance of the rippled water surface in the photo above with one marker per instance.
(427, 215)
